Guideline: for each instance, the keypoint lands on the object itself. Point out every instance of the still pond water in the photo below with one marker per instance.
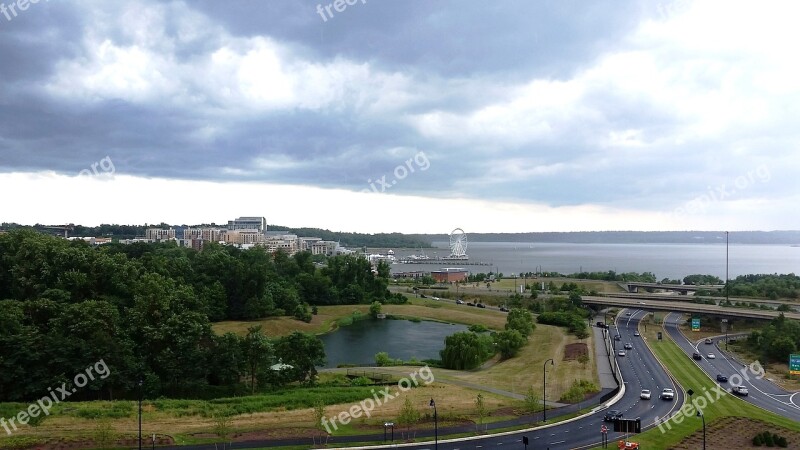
(402, 339)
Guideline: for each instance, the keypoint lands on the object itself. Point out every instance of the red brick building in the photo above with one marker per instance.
(450, 274)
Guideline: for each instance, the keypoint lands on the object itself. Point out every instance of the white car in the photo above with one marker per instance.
(621, 353)
(645, 395)
(667, 394)
(711, 356)
(636, 333)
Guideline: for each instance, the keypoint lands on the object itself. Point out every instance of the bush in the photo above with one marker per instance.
(478, 328)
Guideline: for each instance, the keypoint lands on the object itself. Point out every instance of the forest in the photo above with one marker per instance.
(146, 311)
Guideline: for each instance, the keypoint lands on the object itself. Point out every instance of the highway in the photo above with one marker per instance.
(673, 306)
(762, 392)
(640, 370)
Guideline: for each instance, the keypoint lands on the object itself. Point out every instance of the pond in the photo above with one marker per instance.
(402, 339)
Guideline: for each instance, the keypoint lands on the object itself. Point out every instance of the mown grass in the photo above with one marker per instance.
(689, 376)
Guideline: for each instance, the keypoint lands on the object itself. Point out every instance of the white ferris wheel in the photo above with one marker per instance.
(458, 244)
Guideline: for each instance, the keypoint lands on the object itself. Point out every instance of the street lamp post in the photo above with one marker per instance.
(700, 415)
(140, 413)
(544, 389)
(435, 425)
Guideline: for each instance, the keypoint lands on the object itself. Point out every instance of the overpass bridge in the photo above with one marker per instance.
(675, 306)
(634, 286)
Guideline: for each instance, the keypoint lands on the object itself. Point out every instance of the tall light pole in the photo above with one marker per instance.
(700, 415)
(727, 293)
(140, 413)
(544, 389)
(435, 425)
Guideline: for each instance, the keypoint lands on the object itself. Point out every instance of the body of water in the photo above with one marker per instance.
(402, 339)
(673, 261)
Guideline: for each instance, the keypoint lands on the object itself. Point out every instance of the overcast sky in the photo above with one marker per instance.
(410, 116)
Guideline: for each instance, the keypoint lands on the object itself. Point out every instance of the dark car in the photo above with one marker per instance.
(504, 309)
(470, 304)
(422, 296)
(722, 378)
(617, 338)
(481, 305)
(697, 356)
(612, 415)
(628, 346)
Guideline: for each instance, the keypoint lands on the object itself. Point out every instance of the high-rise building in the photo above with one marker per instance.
(248, 223)
(159, 234)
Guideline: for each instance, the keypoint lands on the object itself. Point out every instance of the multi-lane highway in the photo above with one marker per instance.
(640, 370)
(762, 392)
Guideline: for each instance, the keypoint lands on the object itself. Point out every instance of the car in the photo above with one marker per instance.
(645, 395)
(711, 356)
(628, 346)
(612, 415)
(503, 308)
(480, 305)
(642, 303)
(697, 356)
(601, 325)
(617, 338)
(627, 314)
(739, 390)
(722, 378)
(435, 298)
(636, 333)
(667, 394)
(709, 341)
(459, 302)
(621, 353)
(423, 296)
(470, 304)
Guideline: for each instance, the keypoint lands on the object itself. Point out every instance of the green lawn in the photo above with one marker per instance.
(690, 376)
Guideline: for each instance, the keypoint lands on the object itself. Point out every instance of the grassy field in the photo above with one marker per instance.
(689, 376)
(518, 374)
(288, 413)
(328, 317)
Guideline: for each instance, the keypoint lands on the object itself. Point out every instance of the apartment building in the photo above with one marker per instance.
(159, 234)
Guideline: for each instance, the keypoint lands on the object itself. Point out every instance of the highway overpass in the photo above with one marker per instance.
(633, 287)
(676, 306)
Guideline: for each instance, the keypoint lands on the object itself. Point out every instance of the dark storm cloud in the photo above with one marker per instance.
(466, 64)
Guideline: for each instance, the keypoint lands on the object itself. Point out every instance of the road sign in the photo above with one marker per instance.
(604, 429)
(794, 364)
(695, 324)
(659, 335)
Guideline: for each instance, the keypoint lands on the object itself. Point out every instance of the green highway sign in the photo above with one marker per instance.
(794, 364)
(695, 324)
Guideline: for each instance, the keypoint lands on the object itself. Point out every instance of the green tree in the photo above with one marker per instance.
(409, 415)
(480, 410)
(532, 401)
(258, 354)
(375, 309)
(304, 352)
(466, 350)
(520, 320)
(509, 342)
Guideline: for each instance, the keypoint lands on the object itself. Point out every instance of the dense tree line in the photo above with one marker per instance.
(767, 286)
(776, 341)
(146, 310)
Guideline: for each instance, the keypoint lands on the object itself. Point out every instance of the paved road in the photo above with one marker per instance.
(640, 369)
(762, 392)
